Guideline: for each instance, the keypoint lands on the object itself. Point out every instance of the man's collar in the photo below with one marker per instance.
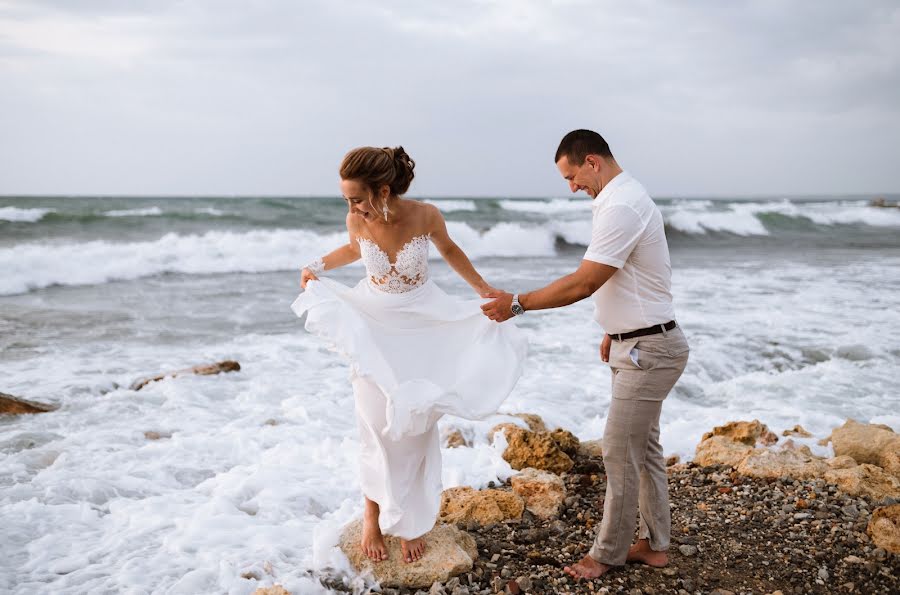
(610, 187)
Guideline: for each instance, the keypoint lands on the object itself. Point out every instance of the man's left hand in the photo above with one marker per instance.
(500, 309)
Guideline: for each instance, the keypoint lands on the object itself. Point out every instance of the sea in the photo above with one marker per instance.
(790, 306)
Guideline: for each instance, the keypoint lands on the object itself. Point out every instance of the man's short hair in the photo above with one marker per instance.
(578, 144)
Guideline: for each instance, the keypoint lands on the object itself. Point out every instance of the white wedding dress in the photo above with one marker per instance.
(415, 353)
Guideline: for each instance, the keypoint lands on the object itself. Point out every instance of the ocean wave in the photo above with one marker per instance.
(448, 206)
(556, 205)
(145, 212)
(35, 266)
(20, 215)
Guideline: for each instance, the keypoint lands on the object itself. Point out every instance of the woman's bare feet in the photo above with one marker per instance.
(641, 552)
(413, 550)
(372, 542)
(587, 568)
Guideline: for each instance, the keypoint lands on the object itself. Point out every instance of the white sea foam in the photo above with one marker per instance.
(145, 212)
(19, 214)
(448, 206)
(39, 265)
(556, 205)
(210, 211)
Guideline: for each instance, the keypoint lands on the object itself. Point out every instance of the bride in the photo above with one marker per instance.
(415, 352)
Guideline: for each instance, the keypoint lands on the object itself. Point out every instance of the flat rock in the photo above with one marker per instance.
(464, 504)
(448, 552)
(543, 492)
(274, 590)
(865, 480)
(884, 528)
(795, 463)
(797, 431)
(534, 421)
(202, 370)
(10, 405)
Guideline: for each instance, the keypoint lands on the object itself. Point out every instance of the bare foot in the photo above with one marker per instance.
(641, 552)
(413, 550)
(587, 568)
(372, 542)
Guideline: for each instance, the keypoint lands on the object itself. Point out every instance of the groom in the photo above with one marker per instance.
(626, 269)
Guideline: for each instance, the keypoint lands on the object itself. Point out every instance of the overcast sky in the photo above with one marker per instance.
(264, 97)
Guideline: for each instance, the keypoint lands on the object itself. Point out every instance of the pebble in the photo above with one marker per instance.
(687, 550)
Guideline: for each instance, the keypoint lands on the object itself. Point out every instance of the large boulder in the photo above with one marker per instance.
(543, 492)
(865, 480)
(792, 462)
(534, 449)
(729, 444)
(202, 370)
(465, 504)
(884, 528)
(448, 553)
(876, 444)
(10, 405)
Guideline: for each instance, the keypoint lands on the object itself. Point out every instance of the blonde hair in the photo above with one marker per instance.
(376, 167)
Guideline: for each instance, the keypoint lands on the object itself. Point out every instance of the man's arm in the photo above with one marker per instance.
(572, 288)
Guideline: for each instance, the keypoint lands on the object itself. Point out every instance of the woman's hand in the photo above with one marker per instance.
(486, 291)
(306, 276)
(604, 347)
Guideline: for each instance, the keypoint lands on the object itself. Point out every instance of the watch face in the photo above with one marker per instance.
(517, 309)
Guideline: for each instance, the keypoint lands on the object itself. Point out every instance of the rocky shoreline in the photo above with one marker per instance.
(749, 515)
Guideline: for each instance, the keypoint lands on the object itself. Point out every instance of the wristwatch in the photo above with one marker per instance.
(516, 307)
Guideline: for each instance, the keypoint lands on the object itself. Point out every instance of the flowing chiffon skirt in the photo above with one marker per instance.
(414, 357)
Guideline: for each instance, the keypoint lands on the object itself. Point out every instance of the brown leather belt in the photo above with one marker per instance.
(643, 332)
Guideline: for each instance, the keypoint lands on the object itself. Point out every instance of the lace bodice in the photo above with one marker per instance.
(409, 271)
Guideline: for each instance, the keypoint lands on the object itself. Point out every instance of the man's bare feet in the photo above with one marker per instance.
(372, 542)
(641, 552)
(587, 568)
(413, 550)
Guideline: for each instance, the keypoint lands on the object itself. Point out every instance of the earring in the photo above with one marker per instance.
(384, 210)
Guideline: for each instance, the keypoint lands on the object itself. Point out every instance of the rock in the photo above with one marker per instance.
(464, 504)
(672, 460)
(795, 463)
(797, 431)
(884, 528)
(202, 370)
(151, 435)
(721, 450)
(275, 590)
(591, 448)
(449, 552)
(535, 423)
(687, 550)
(454, 438)
(843, 462)
(876, 444)
(10, 405)
(729, 444)
(543, 492)
(865, 480)
(534, 449)
(566, 441)
(746, 432)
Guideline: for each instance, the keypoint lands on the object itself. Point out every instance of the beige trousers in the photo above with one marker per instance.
(644, 370)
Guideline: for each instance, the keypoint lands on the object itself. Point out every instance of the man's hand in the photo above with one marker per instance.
(604, 347)
(500, 309)
(306, 276)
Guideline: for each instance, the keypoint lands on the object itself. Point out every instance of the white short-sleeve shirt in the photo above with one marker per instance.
(628, 233)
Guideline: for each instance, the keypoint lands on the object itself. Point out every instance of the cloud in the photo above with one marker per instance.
(229, 97)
